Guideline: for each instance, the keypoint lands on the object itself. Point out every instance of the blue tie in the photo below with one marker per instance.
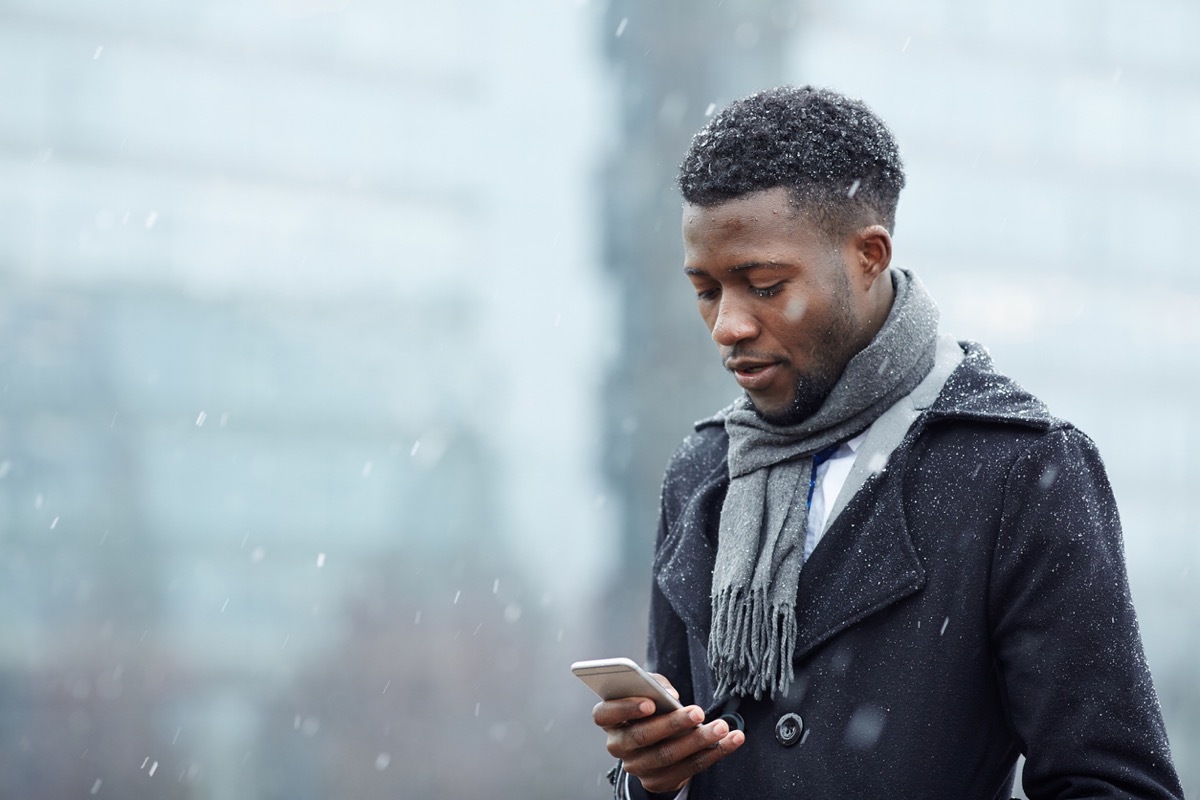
(819, 458)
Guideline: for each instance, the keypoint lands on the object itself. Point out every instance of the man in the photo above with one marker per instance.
(885, 571)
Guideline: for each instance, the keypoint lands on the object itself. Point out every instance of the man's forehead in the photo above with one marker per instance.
(770, 209)
(758, 216)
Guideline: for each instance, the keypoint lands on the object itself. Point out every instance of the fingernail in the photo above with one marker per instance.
(696, 715)
(646, 707)
(737, 737)
(720, 727)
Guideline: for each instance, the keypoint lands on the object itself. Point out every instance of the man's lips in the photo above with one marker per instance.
(752, 374)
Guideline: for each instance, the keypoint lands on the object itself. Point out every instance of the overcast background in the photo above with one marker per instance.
(343, 343)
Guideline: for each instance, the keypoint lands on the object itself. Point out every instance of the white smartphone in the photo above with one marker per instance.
(614, 678)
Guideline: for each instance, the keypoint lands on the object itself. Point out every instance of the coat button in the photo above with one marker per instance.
(788, 729)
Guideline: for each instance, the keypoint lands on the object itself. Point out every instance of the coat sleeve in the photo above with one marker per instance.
(666, 647)
(666, 650)
(1065, 636)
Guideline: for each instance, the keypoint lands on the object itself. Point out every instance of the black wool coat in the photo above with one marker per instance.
(970, 604)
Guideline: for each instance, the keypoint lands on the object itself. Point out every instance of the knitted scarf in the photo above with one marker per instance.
(764, 518)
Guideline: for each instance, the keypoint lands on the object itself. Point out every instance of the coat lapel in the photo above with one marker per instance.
(865, 562)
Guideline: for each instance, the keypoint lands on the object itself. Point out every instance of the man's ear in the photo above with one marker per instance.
(873, 249)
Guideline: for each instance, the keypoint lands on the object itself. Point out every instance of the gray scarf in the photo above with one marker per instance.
(765, 516)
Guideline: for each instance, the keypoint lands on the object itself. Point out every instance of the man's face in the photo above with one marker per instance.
(779, 298)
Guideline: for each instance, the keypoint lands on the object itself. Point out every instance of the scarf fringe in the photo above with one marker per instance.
(748, 643)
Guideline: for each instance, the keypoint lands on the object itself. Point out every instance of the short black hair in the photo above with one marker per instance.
(839, 161)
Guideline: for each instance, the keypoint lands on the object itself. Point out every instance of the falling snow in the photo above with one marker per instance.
(314, 373)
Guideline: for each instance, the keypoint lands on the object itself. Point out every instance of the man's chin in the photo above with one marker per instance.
(805, 402)
(785, 416)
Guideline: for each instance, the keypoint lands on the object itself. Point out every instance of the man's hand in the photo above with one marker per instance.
(663, 752)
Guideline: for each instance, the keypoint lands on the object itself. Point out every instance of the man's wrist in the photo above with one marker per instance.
(621, 781)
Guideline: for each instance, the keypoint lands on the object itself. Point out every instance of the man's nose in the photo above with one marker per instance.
(735, 323)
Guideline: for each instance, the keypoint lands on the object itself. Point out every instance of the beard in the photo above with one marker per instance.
(808, 395)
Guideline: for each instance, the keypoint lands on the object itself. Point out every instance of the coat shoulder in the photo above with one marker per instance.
(977, 391)
(697, 459)
(984, 420)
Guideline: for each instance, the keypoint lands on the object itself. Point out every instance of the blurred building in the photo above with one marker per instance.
(302, 335)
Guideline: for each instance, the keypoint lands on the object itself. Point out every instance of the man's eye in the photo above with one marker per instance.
(706, 294)
(767, 291)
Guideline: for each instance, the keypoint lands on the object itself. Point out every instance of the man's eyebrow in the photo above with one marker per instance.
(738, 267)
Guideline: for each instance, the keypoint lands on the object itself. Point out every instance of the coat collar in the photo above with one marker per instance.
(869, 561)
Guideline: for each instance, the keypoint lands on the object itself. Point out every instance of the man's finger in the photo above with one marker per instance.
(626, 741)
(666, 752)
(666, 683)
(612, 713)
